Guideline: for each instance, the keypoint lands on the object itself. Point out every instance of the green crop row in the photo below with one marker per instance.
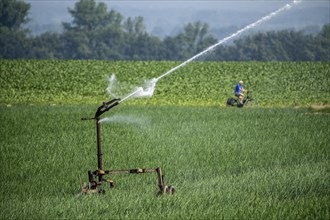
(197, 83)
(224, 163)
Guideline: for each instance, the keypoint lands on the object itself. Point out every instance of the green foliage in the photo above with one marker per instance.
(13, 14)
(225, 163)
(14, 42)
(277, 46)
(198, 83)
(195, 38)
(47, 46)
(323, 40)
(96, 33)
(88, 16)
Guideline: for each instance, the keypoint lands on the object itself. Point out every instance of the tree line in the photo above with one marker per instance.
(97, 33)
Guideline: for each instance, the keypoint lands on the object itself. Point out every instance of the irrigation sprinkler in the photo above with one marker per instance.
(212, 47)
(96, 178)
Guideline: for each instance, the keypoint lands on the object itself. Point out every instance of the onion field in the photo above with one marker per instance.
(270, 162)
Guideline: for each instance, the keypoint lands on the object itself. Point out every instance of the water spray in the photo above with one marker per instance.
(96, 178)
(138, 90)
(224, 40)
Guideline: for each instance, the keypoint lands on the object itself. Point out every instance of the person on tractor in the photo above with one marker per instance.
(239, 91)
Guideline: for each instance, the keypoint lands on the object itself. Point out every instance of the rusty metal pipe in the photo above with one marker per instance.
(99, 147)
(93, 184)
(160, 178)
(130, 171)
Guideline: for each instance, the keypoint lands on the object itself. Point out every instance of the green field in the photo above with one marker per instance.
(270, 162)
(274, 84)
(224, 163)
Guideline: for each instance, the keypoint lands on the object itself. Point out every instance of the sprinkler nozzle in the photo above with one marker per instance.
(106, 106)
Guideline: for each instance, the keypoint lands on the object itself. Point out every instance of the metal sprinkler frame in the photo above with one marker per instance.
(96, 179)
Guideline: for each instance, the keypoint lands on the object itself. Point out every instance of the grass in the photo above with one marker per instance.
(225, 163)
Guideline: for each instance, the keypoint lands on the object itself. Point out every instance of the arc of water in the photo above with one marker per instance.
(140, 89)
(287, 6)
(263, 19)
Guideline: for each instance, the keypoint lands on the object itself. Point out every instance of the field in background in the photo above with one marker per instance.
(225, 162)
(274, 84)
(230, 163)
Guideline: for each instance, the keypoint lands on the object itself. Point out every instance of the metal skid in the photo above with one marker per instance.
(96, 178)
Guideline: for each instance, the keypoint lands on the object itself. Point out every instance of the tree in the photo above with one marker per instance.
(47, 46)
(285, 45)
(173, 48)
(13, 13)
(323, 42)
(94, 32)
(13, 38)
(13, 44)
(195, 38)
(138, 44)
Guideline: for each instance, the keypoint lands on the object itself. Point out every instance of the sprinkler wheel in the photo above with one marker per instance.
(166, 190)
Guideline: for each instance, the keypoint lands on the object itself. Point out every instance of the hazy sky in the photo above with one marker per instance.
(169, 15)
(185, 4)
